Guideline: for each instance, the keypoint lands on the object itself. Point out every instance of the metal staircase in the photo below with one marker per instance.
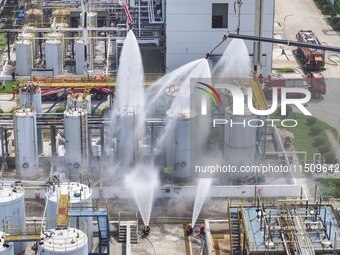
(103, 225)
(124, 227)
(235, 231)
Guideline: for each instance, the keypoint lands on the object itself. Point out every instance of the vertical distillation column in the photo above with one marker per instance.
(26, 146)
(240, 140)
(30, 96)
(76, 137)
(178, 145)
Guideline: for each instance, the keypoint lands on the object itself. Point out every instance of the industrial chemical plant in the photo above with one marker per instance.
(190, 153)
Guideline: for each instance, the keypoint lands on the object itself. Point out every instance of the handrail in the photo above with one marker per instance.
(230, 226)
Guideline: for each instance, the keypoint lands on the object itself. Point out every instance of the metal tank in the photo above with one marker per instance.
(30, 96)
(79, 48)
(125, 149)
(54, 55)
(239, 136)
(91, 19)
(80, 196)
(5, 248)
(29, 37)
(34, 17)
(69, 241)
(240, 143)
(178, 145)
(12, 213)
(61, 16)
(60, 37)
(26, 146)
(76, 140)
(24, 57)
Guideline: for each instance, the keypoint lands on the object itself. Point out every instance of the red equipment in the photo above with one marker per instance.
(312, 59)
(313, 81)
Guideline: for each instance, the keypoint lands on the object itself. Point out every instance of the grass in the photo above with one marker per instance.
(284, 70)
(329, 187)
(9, 86)
(3, 44)
(303, 140)
(337, 6)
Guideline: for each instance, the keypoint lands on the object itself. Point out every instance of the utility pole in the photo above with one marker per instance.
(258, 32)
(239, 5)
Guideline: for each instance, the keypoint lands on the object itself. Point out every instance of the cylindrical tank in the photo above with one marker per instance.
(30, 96)
(54, 55)
(24, 57)
(240, 135)
(12, 213)
(91, 19)
(29, 37)
(5, 248)
(125, 154)
(34, 17)
(69, 241)
(178, 147)
(76, 140)
(60, 37)
(80, 196)
(79, 49)
(61, 16)
(26, 146)
(240, 138)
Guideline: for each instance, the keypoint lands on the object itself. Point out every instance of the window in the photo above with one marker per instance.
(219, 16)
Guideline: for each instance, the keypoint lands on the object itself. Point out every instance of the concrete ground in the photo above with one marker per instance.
(307, 16)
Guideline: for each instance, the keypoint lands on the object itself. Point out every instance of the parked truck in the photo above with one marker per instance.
(311, 59)
(313, 81)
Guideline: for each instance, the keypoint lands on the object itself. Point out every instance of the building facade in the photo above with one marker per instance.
(194, 27)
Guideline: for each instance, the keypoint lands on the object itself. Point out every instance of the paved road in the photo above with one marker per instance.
(307, 16)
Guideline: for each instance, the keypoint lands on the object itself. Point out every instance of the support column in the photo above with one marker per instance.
(258, 32)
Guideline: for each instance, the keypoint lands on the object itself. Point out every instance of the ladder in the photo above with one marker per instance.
(62, 214)
(235, 231)
(259, 99)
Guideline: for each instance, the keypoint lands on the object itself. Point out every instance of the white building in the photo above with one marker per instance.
(194, 27)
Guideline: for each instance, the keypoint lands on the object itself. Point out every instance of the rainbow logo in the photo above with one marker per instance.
(211, 91)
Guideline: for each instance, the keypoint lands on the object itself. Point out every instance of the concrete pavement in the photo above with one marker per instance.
(307, 16)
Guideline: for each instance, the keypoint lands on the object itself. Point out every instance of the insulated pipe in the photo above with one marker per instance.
(273, 40)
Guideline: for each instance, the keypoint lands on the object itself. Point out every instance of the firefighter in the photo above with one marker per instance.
(146, 231)
(13, 92)
(13, 76)
(188, 229)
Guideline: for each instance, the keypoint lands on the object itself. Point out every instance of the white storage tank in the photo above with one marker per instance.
(91, 19)
(239, 135)
(76, 140)
(79, 49)
(125, 151)
(26, 145)
(240, 139)
(178, 146)
(30, 96)
(24, 57)
(54, 55)
(69, 241)
(5, 248)
(12, 213)
(59, 36)
(80, 196)
(28, 36)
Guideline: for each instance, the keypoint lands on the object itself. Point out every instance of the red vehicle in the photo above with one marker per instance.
(313, 81)
(52, 94)
(311, 59)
